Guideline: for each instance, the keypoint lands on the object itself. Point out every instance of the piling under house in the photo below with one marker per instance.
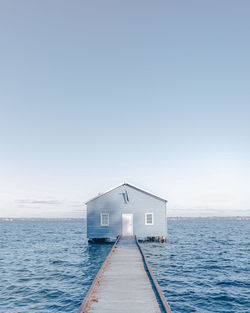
(126, 210)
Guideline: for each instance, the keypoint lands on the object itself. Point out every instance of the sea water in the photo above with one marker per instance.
(205, 266)
(49, 266)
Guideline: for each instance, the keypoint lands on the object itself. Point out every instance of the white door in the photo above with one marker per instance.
(127, 224)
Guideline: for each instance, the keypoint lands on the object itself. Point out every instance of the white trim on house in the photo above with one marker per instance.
(130, 185)
(102, 219)
(146, 218)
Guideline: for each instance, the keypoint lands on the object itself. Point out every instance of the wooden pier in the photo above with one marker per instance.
(125, 283)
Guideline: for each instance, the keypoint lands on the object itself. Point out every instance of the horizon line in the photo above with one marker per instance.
(84, 218)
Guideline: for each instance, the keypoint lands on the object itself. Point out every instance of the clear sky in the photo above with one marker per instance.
(94, 93)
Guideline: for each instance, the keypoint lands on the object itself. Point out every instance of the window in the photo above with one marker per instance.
(104, 219)
(149, 219)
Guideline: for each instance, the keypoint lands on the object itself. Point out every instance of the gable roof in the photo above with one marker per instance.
(130, 185)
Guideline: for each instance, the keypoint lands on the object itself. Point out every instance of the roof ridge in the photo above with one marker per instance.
(127, 184)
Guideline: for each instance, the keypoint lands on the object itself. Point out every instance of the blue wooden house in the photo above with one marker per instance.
(126, 210)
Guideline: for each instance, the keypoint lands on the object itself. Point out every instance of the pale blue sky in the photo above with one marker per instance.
(93, 93)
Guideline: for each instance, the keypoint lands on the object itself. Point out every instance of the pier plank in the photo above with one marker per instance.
(124, 285)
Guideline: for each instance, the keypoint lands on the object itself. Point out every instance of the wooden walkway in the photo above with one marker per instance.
(125, 283)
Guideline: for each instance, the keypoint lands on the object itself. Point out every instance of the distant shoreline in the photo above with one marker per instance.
(175, 218)
(171, 218)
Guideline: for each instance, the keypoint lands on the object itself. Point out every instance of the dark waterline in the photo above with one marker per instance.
(49, 266)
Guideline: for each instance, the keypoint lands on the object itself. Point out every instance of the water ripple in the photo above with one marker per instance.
(49, 266)
(204, 267)
(46, 266)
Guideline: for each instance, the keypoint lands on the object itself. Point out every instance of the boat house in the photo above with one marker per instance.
(126, 210)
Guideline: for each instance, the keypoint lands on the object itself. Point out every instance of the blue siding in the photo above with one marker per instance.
(139, 204)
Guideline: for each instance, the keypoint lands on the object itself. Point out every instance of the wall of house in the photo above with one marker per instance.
(139, 204)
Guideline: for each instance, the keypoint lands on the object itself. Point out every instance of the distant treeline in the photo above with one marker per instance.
(173, 218)
(30, 219)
